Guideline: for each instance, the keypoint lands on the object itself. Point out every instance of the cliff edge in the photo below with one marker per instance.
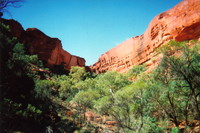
(180, 23)
(48, 49)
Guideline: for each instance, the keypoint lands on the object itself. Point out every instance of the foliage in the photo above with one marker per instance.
(29, 112)
(137, 101)
(110, 82)
(86, 98)
(136, 71)
(64, 86)
(167, 94)
(17, 85)
(43, 89)
(21, 62)
(182, 78)
(175, 130)
(77, 74)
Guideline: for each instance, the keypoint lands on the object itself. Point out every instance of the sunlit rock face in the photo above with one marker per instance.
(48, 49)
(180, 23)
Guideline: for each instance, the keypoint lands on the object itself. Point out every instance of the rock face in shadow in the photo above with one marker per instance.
(180, 23)
(48, 49)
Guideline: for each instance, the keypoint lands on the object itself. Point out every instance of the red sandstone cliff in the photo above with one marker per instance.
(48, 49)
(182, 22)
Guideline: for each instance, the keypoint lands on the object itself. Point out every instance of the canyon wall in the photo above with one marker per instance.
(48, 49)
(180, 23)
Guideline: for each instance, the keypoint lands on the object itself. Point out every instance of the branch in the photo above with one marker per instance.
(6, 3)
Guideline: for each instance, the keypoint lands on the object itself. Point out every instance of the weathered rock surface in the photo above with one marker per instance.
(48, 49)
(180, 23)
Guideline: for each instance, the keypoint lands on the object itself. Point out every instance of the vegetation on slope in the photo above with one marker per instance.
(26, 94)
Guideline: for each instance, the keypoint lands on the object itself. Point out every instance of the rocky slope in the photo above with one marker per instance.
(180, 23)
(48, 49)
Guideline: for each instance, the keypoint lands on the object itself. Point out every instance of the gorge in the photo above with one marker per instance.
(180, 23)
(123, 95)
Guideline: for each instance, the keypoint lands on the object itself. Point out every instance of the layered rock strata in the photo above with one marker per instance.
(180, 23)
(48, 49)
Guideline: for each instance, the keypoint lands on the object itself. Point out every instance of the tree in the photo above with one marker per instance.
(43, 89)
(180, 73)
(84, 100)
(7, 3)
(77, 74)
(16, 84)
(65, 90)
(166, 99)
(110, 82)
(129, 106)
(135, 72)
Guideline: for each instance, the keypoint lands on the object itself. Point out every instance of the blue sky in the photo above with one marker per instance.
(89, 28)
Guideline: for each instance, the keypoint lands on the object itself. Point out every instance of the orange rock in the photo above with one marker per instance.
(181, 23)
(48, 49)
(112, 123)
(90, 116)
(98, 119)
